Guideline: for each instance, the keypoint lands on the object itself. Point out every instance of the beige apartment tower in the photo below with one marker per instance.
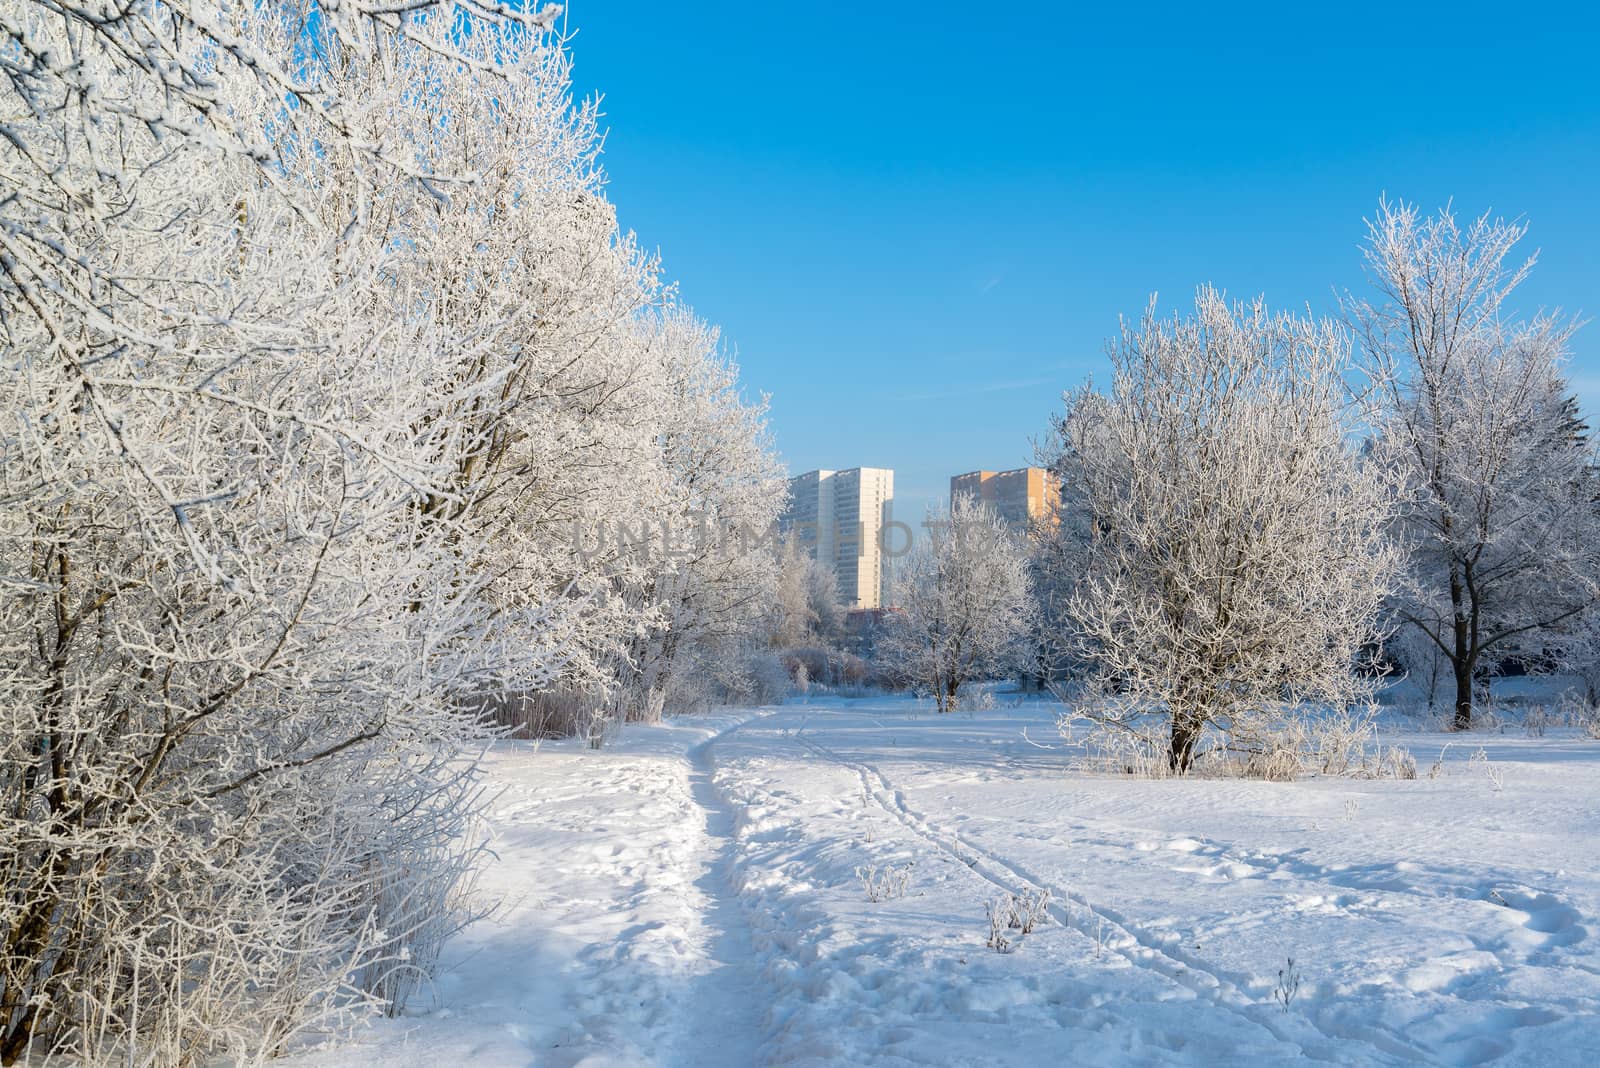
(840, 517)
(1023, 497)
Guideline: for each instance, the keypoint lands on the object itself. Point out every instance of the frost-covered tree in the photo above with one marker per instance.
(822, 601)
(532, 297)
(1233, 552)
(709, 561)
(1497, 493)
(609, 437)
(792, 617)
(806, 606)
(964, 602)
(1058, 558)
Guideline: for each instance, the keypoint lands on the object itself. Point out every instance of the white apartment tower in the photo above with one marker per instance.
(839, 516)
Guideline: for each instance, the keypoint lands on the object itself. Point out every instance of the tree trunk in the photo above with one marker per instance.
(1462, 659)
(1186, 728)
(1463, 673)
(29, 944)
(1462, 663)
(947, 699)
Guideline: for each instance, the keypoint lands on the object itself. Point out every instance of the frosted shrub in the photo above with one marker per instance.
(888, 883)
(1535, 721)
(1020, 912)
(1581, 713)
(1277, 759)
(1288, 985)
(1341, 743)
(769, 679)
(1397, 763)
(1288, 746)
(1495, 773)
(981, 700)
(1588, 671)
(1140, 752)
(1029, 908)
(1337, 742)
(1486, 718)
(998, 913)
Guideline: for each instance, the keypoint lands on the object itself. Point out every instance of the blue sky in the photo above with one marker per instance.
(918, 223)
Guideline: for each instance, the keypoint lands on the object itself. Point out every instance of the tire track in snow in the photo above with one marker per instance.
(1185, 971)
(1540, 909)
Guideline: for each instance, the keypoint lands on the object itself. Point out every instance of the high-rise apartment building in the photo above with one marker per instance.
(839, 517)
(1022, 497)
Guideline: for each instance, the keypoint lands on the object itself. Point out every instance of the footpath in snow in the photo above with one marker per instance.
(689, 897)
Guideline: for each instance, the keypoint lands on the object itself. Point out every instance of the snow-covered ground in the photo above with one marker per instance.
(689, 897)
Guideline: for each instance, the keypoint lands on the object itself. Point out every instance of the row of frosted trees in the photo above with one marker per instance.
(1266, 513)
(324, 359)
(1261, 505)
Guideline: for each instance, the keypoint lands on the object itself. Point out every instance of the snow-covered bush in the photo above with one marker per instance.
(1293, 743)
(1397, 763)
(1021, 912)
(769, 678)
(1585, 716)
(1139, 750)
(1029, 908)
(1535, 721)
(888, 883)
(836, 671)
(1277, 759)
(536, 714)
(1336, 742)
(998, 913)
(1341, 743)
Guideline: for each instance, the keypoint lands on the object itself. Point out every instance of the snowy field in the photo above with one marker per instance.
(689, 897)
